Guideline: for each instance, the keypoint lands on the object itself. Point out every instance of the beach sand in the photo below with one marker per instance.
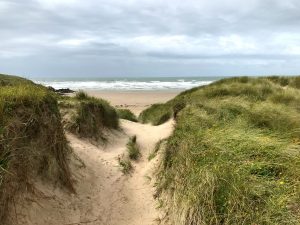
(136, 101)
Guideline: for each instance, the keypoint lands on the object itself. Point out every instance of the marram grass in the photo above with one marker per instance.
(157, 114)
(133, 148)
(90, 117)
(234, 156)
(126, 114)
(32, 141)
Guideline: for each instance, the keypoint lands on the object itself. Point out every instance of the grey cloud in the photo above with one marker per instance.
(149, 37)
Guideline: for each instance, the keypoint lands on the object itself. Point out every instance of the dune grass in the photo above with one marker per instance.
(90, 117)
(156, 114)
(6, 80)
(133, 153)
(32, 141)
(157, 147)
(133, 149)
(126, 166)
(126, 114)
(81, 95)
(234, 155)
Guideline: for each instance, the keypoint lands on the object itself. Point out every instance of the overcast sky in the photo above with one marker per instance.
(149, 37)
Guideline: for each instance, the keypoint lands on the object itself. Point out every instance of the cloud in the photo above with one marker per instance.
(149, 37)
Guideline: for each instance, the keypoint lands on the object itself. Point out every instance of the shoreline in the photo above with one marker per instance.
(134, 100)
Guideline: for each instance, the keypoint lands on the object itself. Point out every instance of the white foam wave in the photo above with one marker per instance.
(125, 85)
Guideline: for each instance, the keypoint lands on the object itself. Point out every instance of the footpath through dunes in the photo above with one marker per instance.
(104, 195)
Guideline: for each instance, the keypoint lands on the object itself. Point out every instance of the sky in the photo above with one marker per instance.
(55, 38)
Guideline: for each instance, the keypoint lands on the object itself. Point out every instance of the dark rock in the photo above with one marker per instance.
(61, 91)
(51, 88)
(64, 91)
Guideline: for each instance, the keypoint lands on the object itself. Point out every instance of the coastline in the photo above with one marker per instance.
(135, 100)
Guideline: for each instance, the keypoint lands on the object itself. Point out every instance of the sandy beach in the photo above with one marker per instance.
(136, 101)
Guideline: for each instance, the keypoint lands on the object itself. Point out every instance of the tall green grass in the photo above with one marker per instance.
(133, 149)
(156, 114)
(6, 80)
(126, 114)
(91, 116)
(81, 95)
(32, 141)
(234, 155)
(157, 147)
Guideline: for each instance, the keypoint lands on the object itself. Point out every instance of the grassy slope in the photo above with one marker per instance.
(32, 140)
(126, 114)
(90, 115)
(234, 155)
(6, 80)
(157, 114)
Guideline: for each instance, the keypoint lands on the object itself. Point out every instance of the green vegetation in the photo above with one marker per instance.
(81, 95)
(133, 149)
(234, 155)
(6, 80)
(156, 149)
(90, 116)
(133, 153)
(32, 141)
(126, 165)
(126, 114)
(157, 114)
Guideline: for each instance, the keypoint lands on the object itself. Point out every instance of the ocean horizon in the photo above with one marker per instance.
(128, 83)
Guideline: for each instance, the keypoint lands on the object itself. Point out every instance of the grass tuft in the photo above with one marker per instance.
(126, 166)
(133, 148)
(90, 116)
(81, 95)
(126, 114)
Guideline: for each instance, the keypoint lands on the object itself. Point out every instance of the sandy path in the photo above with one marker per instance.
(104, 195)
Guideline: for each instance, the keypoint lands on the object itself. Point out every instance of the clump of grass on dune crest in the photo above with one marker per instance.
(126, 114)
(81, 95)
(234, 155)
(32, 141)
(156, 114)
(91, 116)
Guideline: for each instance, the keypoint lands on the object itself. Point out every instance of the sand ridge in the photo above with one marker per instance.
(104, 195)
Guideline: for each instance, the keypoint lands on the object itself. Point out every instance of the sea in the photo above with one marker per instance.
(128, 83)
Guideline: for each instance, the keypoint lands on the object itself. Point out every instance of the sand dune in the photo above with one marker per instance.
(104, 195)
